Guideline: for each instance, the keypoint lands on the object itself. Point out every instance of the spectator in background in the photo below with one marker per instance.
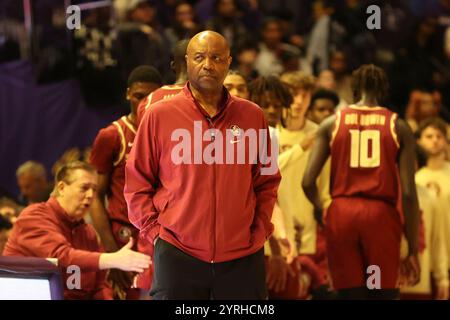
(338, 65)
(226, 22)
(298, 129)
(324, 37)
(284, 277)
(431, 135)
(323, 104)
(141, 41)
(422, 105)
(184, 25)
(416, 61)
(327, 81)
(236, 85)
(96, 59)
(274, 98)
(56, 229)
(433, 254)
(248, 12)
(244, 62)
(271, 49)
(435, 176)
(32, 180)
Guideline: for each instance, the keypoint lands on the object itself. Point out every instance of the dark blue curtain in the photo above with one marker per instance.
(40, 122)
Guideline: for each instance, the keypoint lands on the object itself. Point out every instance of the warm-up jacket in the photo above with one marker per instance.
(213, 210)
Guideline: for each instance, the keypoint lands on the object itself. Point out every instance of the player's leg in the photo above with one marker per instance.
(381, 244)
(344, 254)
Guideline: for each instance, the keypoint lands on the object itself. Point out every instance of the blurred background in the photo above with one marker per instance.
(58, 87)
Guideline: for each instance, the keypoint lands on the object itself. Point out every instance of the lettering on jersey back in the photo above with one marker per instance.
(365, 119)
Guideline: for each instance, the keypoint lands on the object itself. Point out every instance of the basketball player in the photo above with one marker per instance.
(109, 153)
(371, 150)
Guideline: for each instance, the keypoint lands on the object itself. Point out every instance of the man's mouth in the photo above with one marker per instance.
(207, 76)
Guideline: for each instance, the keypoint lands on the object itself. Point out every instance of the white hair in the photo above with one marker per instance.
(32, 168)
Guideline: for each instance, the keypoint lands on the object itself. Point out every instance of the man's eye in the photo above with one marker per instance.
(198, 58)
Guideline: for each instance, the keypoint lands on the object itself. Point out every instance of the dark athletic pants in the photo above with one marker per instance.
(179, 276)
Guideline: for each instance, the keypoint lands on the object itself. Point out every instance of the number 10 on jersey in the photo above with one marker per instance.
(365, 148)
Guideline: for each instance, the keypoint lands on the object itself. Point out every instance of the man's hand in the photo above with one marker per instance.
(410, 269)
(277, 273)
(125, 259)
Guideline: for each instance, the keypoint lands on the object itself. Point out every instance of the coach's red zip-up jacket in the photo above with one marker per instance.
(212, 210)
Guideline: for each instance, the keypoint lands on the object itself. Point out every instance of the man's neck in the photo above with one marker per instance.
(181, 79)
(436, 162)
(132, 118)
(296, 123)
(367, 101)
(209, 100)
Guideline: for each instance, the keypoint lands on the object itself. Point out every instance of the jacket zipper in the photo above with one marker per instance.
(213, 139)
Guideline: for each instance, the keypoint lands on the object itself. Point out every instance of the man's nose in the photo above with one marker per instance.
(208, 63)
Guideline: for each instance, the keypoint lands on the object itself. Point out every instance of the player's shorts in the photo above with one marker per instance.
(360, 233)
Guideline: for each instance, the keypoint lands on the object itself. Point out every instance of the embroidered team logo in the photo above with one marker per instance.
(235, 130)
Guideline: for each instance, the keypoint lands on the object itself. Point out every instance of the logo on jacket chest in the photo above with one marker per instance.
(230, 146)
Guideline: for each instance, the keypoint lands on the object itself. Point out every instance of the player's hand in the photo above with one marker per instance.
(277, 273)
(120, 279)
(410, 268)
(441, 293)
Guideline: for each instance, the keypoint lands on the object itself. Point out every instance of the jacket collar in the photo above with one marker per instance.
(224, 103)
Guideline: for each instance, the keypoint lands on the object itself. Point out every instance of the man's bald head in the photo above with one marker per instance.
(208, 37)
(208, 61)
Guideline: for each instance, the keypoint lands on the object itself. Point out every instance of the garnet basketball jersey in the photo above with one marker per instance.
(364, 149)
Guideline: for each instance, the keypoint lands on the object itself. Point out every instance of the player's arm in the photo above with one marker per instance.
(410, 203)
(100, 215)
(407, 160)
(319, 155)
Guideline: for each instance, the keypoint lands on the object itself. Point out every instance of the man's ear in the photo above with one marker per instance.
(61, 187)
(230, 59)
(128, 94)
